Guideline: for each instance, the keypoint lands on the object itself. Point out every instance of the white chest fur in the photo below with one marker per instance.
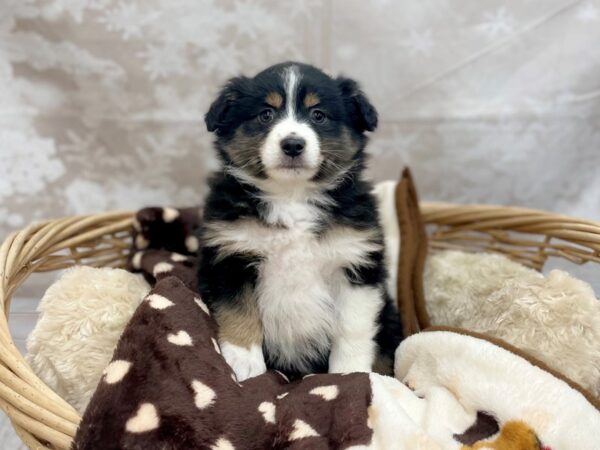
(299, 277)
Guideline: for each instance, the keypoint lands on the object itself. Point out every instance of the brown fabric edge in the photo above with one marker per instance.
(412, 256)
(593, 400)
(421, 254)
(407, 253)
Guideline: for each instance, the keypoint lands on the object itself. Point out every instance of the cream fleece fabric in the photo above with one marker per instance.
(554, 318)
(82, 316)
(481, 376)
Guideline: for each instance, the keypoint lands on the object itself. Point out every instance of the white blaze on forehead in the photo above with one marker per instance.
(291, 77)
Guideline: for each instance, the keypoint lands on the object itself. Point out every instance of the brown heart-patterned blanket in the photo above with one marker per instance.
(168, 387)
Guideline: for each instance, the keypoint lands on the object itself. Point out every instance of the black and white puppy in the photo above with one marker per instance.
(292, 254)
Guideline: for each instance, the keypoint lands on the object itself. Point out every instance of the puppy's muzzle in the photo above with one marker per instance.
(292, 145)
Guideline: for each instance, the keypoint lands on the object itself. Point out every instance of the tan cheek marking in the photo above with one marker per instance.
(311, 100)
(240, 324)
(274, 99)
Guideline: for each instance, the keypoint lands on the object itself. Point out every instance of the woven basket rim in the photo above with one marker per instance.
(40, 416)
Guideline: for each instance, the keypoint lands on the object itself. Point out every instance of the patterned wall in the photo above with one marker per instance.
(489, 101)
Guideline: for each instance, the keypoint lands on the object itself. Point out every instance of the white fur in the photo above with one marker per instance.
(116, 371)
(328, 393)
(216, 345)
(291, 212)
(141, 242)
(386, 196)
(192, 244)
(204, 396)
(394, 416)
(222, 444)
(246, 363)
(170, 214)
(157, 301)
(136, 261)
(202, 305)
(267, 409)
(291, 78)
(302, 430)
(145, 419)
(162, 267)
(82, 316)
(339, 246)
(402, 420)
(485, 377)
(273, 157)
(178, 257)
(296, 189)
(454, 377)
(181, 338)
(300, 282)
(354, 348)
(282, 375)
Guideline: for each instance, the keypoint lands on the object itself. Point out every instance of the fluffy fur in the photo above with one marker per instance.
(292, 258)
(555, 318)
(82, 316)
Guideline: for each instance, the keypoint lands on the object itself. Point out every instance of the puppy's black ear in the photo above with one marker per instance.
(216, 116)
(363, 114)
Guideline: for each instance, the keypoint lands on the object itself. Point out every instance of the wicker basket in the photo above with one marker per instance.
(44, 420)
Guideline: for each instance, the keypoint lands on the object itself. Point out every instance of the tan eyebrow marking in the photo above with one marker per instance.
(274, 99)
(311, 100)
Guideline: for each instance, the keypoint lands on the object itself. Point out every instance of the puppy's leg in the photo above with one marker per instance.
(240, 335)
(353, 347)
(225, 282)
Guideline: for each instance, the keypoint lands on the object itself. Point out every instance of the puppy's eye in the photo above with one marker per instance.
(317, 116)
(266, 116)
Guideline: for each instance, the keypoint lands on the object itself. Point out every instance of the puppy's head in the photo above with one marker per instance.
(291, 122)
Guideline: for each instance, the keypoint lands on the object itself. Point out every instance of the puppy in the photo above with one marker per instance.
(292, 256)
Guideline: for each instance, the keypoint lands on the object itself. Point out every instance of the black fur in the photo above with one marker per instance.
(232, 117)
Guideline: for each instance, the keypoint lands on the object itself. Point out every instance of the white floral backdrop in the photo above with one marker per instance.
(489, 101)
(101, 101)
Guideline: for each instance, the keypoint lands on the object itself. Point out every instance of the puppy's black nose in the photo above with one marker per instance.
(293, 145)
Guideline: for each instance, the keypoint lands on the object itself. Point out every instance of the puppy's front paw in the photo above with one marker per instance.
(246, 363)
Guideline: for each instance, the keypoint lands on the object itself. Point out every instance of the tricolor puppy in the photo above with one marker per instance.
(292, 261)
